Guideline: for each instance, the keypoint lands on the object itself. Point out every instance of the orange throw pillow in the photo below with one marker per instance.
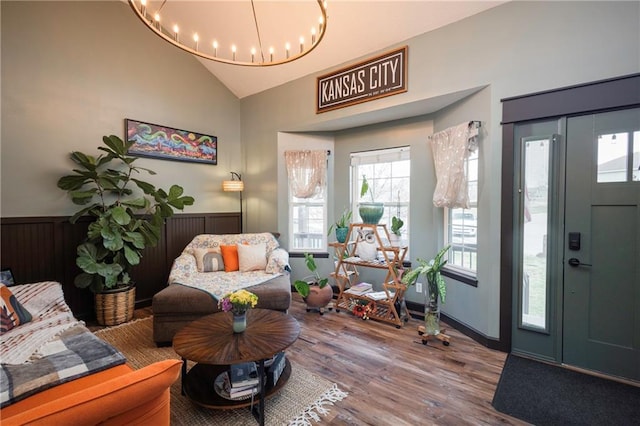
(230, 258)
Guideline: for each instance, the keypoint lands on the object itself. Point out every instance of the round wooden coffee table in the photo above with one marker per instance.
(212, 344)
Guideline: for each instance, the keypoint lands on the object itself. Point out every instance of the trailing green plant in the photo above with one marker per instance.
(396, 225)
(343, 221)
(364, 188)
(128, 213)
(303, 286)
(431, 269)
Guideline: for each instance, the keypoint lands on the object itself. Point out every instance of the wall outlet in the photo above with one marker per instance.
(418, 287)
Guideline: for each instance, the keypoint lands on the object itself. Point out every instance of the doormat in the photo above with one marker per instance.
(301, 402)
(544, 394)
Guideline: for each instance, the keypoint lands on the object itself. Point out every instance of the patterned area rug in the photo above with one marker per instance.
(303, 400)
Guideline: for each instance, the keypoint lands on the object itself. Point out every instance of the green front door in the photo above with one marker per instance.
(601, 262)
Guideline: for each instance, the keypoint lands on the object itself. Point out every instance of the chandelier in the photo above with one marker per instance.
(175, 30)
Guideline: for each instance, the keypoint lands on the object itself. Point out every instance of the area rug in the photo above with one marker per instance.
(303, 400)
(544, 394)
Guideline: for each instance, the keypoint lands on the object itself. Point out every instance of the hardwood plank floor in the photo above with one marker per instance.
(391, 377)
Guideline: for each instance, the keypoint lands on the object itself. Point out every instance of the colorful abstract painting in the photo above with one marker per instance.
(152, 140)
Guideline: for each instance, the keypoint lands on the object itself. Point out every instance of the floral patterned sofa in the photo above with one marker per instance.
(213, 265)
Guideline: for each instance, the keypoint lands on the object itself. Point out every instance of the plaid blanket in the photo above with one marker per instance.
(75, 353)
(51, 316)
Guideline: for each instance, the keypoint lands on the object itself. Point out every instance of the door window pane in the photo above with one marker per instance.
(535, 210)
(613, 157)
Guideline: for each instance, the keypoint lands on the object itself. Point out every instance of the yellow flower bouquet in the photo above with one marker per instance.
(238, 302)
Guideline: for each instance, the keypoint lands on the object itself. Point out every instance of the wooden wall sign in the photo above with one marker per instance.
(384, 75)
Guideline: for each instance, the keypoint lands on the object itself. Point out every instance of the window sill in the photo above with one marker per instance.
(462, 276)
(319, 255)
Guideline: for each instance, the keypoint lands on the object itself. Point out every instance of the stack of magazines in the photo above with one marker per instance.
(241, 380)
(360, 289)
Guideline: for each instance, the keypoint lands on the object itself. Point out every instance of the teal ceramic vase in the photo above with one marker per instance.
(341, 234)
(371, 213)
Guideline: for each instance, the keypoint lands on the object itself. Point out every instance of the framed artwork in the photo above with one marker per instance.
(162, 142)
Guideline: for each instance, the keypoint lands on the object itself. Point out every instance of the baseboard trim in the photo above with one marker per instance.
(416, 310)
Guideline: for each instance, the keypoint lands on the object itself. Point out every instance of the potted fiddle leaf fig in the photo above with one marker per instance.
(370, 212)
(127, 215)
(315, 290)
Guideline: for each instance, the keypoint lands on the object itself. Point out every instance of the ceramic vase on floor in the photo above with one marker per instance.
(239, 322)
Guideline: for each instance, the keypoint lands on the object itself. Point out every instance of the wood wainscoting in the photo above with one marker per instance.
(44, 249)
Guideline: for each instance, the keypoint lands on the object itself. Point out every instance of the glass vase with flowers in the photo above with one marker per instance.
(238, 303)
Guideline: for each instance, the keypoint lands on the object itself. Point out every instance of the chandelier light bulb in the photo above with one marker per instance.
(215, 48)
(156, 17)
(271, 54)
(143, 7)
(196, 38)
(233, 49)
(313, 35)
(301, 44)
(287, 47)
(176, 30)
(253, 53)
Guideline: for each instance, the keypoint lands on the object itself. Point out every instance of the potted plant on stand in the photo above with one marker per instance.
(436, 289)
(127, 216)
(396, 231)
(315, 290)
(370, 212)
(341, 226)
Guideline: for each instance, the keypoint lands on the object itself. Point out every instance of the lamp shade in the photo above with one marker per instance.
(232, 185)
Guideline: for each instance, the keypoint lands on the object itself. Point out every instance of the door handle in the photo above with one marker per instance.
(576, 262)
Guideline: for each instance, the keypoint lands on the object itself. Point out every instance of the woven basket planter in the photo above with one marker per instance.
(116, 306)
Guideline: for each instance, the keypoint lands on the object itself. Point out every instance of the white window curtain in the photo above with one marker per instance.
(450, 148)
(307, 172)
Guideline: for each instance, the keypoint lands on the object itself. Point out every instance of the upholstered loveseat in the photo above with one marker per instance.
(213, 265)
(54, 371)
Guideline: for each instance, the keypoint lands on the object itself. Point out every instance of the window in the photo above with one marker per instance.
(309, 232)
(461, 225)
(388, 173)
(619, 157)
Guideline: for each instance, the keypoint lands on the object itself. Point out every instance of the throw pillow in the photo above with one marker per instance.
(12, 313)
(209, 259)
(230, 258)
(277, 261)
(252, 257)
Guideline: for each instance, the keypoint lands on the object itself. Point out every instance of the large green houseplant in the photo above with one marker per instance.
(127, 214)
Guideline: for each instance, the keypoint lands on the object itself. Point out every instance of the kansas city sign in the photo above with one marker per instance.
(374, 78)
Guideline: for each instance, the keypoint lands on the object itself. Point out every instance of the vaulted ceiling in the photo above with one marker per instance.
(355, 28)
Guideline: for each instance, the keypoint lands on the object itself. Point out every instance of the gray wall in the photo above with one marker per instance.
(513, 49)
(72, 72)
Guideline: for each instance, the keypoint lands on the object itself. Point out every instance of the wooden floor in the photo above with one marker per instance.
(391, 377)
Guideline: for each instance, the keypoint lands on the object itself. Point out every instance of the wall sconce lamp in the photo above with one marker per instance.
(235, 185)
